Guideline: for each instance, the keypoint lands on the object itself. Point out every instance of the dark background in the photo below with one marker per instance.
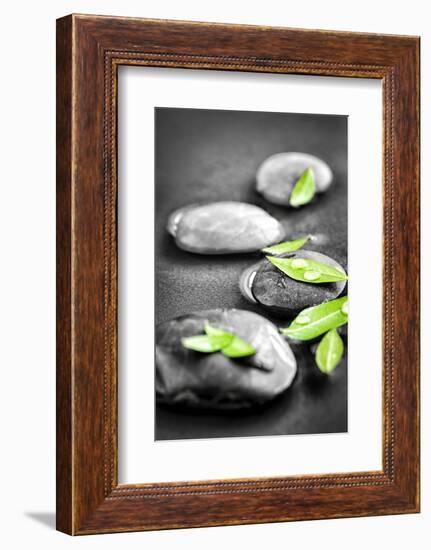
(212, 155)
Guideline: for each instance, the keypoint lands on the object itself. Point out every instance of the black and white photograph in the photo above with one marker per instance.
(251, 273)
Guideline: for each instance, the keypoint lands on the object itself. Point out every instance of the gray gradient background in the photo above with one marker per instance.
(212, 155)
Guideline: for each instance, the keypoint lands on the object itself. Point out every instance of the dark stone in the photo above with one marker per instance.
(214, 381)
(284, 296)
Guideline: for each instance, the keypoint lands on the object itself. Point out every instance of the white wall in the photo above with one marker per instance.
(27, 240)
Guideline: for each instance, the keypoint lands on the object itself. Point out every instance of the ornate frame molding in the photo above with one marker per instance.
(90, 49)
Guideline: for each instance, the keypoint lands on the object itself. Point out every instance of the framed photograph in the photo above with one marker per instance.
(237, 274)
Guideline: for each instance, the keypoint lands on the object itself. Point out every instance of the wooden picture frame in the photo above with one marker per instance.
(89, 51)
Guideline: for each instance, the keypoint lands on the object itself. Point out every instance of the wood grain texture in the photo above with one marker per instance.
(90, 49)
(64, 495)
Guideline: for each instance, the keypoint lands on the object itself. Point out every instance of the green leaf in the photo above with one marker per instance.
(202, 343)
(214, 331)
(304, 189)
(329, 351)
(217, 339)
(238, 348)
(284, 248)
(308, 271)
(317, 320)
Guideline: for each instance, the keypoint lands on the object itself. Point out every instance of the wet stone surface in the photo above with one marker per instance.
(285, 297)
(212, 380)
(206, 156)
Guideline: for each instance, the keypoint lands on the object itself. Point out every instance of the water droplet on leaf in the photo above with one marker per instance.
(303, 320)
(311, 275)
(299, 262)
